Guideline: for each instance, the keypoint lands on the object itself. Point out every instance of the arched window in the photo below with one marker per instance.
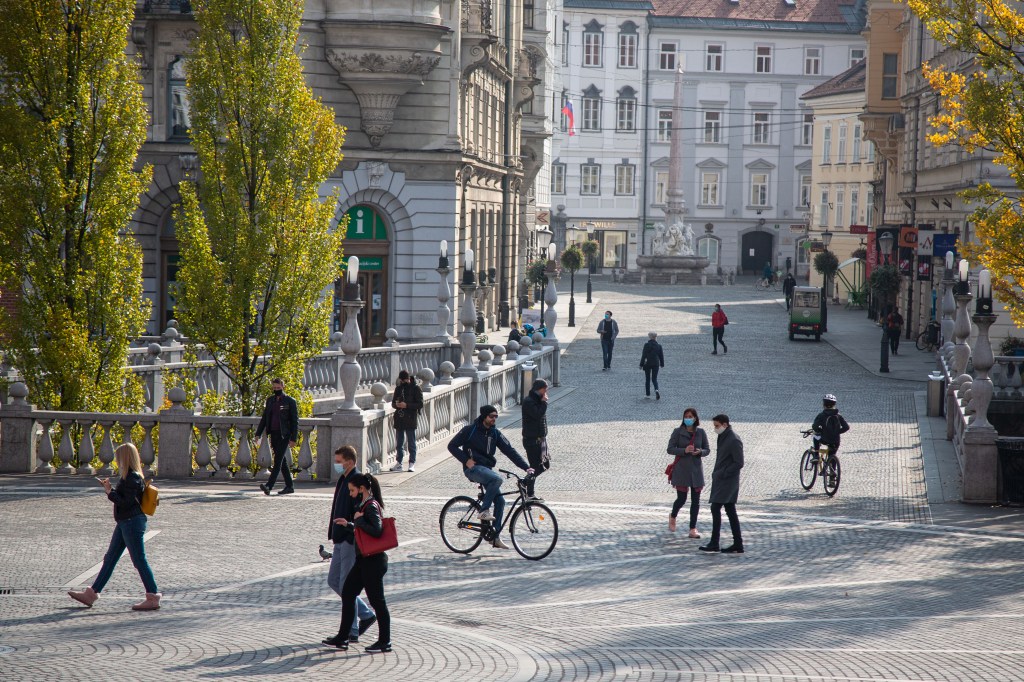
(179, 115)
(707, 247)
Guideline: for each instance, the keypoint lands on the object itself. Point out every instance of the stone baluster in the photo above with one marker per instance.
(351, 343)
(305, 453)
(393, 358)
(66, 449)
(204, 453)
(264, 458)
(484, 358)
(981, 389)
(223, 452)
(44, 452)
(513, 350)
(243, 455)
(86, 450)
(550, 315)
(444, 313)
(467, 316)
(147, 453)
(948, 310)
(426, 377)
(499, 353)
(107, 450)
(446, 369)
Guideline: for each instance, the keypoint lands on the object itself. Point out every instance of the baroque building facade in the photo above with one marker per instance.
(443, 102)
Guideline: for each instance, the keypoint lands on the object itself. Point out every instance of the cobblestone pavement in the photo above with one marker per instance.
(861, 587)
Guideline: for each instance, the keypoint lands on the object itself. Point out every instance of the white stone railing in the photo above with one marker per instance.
(1006, 378)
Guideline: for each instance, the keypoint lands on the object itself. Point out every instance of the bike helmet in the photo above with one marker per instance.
(829, 398)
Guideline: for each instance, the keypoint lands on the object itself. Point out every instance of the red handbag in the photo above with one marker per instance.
(369, 545)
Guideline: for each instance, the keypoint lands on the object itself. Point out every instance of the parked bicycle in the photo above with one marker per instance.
(816, 461)
(929, 338)
(766, 284)
(533, 527)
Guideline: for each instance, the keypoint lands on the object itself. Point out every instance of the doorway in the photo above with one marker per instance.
(367, 238)
(613, 249)
(756, 248)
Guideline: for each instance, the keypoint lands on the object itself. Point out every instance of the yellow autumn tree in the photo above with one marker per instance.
(983, 108)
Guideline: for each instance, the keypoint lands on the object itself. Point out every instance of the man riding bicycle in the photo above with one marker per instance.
(475, 447)
(828, 426)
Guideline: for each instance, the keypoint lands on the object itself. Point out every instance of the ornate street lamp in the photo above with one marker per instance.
(544, 236)
(351, 339)
(885, 246)
(467, 316)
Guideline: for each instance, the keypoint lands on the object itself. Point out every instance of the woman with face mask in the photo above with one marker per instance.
(689, 444)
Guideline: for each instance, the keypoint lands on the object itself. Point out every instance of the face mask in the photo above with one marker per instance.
(719, 430)
(278, 391)
(607, 317)
(339, 467)
(688, 421)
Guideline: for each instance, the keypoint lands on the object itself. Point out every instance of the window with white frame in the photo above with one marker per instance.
(667, 56)
(714, 57)
(812, 61)
(624, 179)
(558, 178)
(707, 247)
(759, 189)
(179, 113)
(803, 252)
(625, 110)
(710, 183)
(869, 208)
(840, 206)
(856, 143)
(871, 151)
(762, 127)
(627, 48)
(856, 55)
(528, 13)
(805, 191)
(763, 59)
(890, 75)
(855, 205)
(826, 144)
(590, 179)
(565, 44)
(664, 125)
(823, 208)
(593, 43)
(841, 150)
(591, 109)
(660, 186)
(807, 129)
(712, 126)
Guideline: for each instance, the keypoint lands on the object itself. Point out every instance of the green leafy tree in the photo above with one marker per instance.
(982, 100)
(72, 120)
(590, 249)
(572, 259)
(256, 244)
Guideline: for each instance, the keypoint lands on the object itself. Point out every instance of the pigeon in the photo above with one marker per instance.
(324, 554)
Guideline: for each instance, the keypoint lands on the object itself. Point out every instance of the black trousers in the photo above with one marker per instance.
(537, 456)
(282, 460)
(716, 523)
(651, 375)
(894, 339)
(367, 574)
(716, 337)
(694, 505)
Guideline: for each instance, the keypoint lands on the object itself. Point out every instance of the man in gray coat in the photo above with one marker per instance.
(725, 486)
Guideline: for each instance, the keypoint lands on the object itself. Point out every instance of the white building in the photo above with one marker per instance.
(747, 135)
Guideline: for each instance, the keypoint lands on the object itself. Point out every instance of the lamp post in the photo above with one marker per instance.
(467, 316)
(443, 294)
(571, 233)
(544, 236)
(590, 266)
(885, 246)
(826, 240)
(351, 339)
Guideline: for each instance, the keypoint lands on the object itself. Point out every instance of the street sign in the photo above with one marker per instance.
(798, 228)
(543, 217)
(858, 229)
(941, 243)
(925, 245)
(908, 237)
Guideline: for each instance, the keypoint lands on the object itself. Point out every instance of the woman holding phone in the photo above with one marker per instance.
(128, 533)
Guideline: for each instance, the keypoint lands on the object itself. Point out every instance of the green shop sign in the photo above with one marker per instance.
(365, 223)
(367, 263)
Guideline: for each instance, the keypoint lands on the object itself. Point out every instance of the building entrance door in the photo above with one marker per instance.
(367, 238)
(613, 249)
(756, 248)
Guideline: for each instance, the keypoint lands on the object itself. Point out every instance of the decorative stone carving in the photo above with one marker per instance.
(674, 240)
(371, 62)
(375, 172)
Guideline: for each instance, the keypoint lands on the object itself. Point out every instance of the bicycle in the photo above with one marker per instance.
(929, 338)
(533, 526)
(765, 284)
(819, 460)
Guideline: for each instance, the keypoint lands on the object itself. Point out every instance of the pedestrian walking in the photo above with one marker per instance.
(475, 446)
(535, 433)
(281, 420)
(689, 445)
(725, 486)
(344, 556)
(609, 330)
(652, 359)
(367, 571)
(894, 327)
(129, 533)
(718, 322)
(408, 401)
(788, 285)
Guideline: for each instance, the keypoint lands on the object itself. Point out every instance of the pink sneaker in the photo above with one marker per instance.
(150, 603)
(672, 523)
(694, 534)
(88, 596)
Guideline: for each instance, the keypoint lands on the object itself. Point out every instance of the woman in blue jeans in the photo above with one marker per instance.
(128, 533)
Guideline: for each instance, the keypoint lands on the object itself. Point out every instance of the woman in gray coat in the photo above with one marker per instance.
(725, 486)
(688, 444)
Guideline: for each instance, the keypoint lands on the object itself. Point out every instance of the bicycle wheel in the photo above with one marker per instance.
(922, 341)
(455, 515)
(830, 476)
(808, 469)
(534, 531)
(758, 286)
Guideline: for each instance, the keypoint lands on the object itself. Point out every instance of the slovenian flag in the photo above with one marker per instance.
(567, 111)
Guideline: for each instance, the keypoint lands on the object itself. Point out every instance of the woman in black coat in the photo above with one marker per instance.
(725, 486)
(689, 444)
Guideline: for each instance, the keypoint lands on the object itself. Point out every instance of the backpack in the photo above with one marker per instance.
(150, 498)
(830, 429)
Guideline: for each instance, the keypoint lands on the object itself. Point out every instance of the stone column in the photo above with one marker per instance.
(444, 313)
(980, 453)
(550, 315)
(174, 458)
(17, 437)
(351, 344)
(467, 316)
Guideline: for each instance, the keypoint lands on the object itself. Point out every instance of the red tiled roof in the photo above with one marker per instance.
(819, 11)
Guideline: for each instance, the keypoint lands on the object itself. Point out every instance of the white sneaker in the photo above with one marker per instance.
(486, 515)
(397, 467)
(498, 544)
(412, 467)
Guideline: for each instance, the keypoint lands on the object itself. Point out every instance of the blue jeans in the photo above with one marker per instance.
(607, 346)
(127, 535)
(401, 436)
(342, 561)
(491, 481)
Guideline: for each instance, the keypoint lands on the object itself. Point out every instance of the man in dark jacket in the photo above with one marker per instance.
(475, 447)
(609, 330)
(652, 359)
(343, 537)
(281, 419)
(725, 487)
(535, 431)
(408, 401)
(829, 425)
(788, 285)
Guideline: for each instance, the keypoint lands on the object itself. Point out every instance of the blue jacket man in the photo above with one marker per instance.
(475, 446)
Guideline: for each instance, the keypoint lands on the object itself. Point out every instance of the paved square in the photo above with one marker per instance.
(861, 587)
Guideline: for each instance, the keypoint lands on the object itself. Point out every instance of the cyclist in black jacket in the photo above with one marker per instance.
(829, 425)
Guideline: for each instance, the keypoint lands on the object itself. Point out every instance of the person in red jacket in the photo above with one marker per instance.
(718, 322)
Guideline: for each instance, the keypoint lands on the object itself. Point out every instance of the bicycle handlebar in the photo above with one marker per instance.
(513, 474)
(807, 432)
